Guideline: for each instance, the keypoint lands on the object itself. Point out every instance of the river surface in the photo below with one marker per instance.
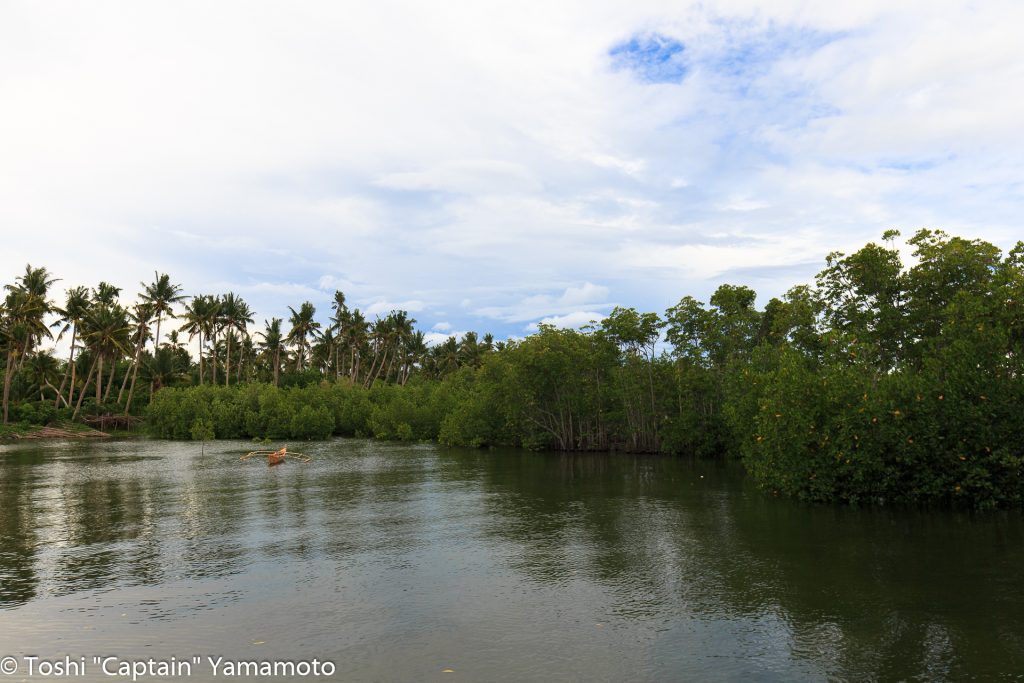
(414, 562)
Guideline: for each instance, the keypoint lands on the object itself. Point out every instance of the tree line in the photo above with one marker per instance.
(877, 382)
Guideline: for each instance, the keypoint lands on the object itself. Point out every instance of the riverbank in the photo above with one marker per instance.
(19, 432)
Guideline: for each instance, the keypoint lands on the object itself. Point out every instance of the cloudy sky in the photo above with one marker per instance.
(489, 165)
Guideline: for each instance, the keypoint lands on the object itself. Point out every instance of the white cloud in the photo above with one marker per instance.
(574, 320)
(435, 338)
(488, 160)
(539, 305)
(381, 306)
(442, 326)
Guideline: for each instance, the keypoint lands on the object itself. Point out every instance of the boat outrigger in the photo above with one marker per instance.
(277, 457)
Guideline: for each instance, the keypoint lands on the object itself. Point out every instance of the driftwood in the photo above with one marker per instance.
(58, 433)
(104, 422)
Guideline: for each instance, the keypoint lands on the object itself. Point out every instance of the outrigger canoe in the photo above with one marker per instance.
(277, 457)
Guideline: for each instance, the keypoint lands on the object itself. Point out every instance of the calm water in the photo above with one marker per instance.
(397, 562)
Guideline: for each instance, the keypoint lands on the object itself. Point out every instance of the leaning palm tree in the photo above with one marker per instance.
(161, 295)
(303, 326)
(106, 333)
(42, 373)
(141, 317)
(76, 304)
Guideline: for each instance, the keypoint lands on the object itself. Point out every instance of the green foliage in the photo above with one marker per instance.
(878, 382)
(250, 411)
(914, 392)
(201, 430)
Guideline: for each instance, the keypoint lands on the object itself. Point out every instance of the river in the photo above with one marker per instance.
(403, 562)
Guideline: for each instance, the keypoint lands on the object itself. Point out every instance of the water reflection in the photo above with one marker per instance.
(518, 565)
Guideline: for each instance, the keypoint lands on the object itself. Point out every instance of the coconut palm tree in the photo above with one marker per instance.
(106, 332)
(106, 294)
(414, 351)
(164, 368)
(21, 323)
(303, 326)
(339, 320)
(273, 345)
(211, 324)
(161, 295)
(445, 357)
(76, 303)
(234, 315)
(246, 356)
(197, 313)
(43, 372)
(141, 316)
(322, 354)
(34, 282)
(355, 335)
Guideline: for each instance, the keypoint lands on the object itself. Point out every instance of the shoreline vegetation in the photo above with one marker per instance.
(63, 431)
(879, 382)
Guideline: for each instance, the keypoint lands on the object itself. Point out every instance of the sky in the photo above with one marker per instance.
(490, 166)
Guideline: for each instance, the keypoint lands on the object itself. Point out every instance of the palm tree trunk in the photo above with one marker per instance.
(135, 367)
(156, 340)
(213, 360)
(69, 369)
(60, 395)
(29, 344)
(99, 381)
(131, 393)
(200, 358)
(227, 364)
(277, 365)
(391, 364)
(85, 387)
(369, 373)
(381, 367)
(7, 381)
(71, 387)
(110, 381)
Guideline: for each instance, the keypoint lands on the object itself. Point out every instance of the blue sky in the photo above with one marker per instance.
(489, 166)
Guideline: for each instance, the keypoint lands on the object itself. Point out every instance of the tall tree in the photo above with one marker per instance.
(141, 316)
(339, 321)
(273, 345)
(76, 303)
(303, 327)
(161, 295)
(106, 333)
(234, 316)
(21, 323)
(34, 282)
(197, 313)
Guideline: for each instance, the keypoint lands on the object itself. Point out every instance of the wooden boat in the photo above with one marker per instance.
(277, 457)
